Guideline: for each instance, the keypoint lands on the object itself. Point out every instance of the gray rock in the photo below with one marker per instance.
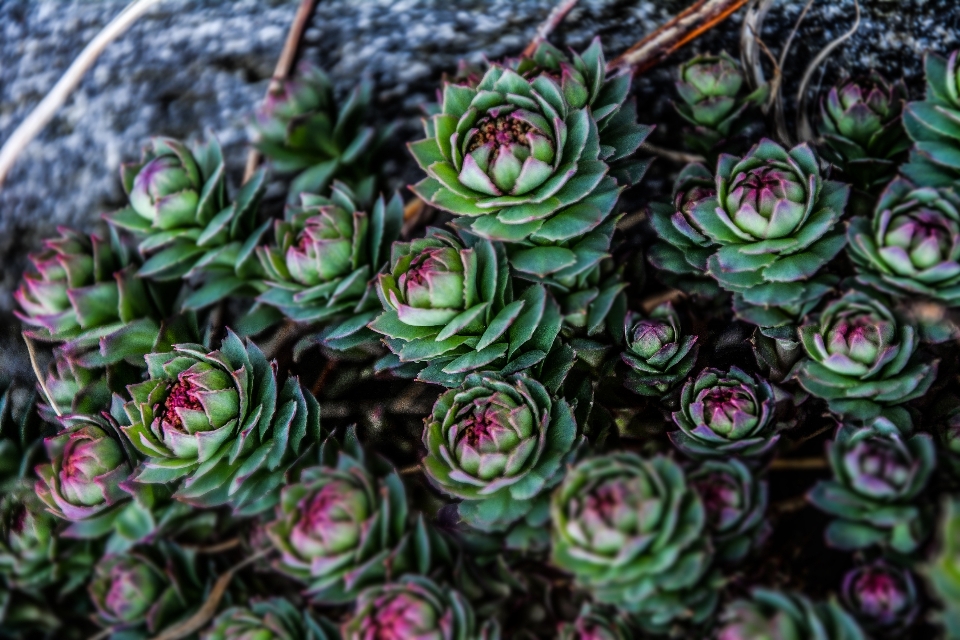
(197, 65)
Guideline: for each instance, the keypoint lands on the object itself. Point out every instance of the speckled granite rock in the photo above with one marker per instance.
(195, 65)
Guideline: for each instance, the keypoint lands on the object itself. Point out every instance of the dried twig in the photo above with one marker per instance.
(672, 295)
(804, 129)
(750, 42)
(689, 24)
(203, 615)
(681, 157)
(220, 547)
(798, 464)
(44, 112)
(280, 73)
(790, 504)
(31, 350)
(557, 14)
(411, 470)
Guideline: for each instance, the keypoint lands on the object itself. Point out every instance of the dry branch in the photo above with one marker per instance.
(686, 26)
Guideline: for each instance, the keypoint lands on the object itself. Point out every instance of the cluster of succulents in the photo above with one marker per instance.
(520, 437)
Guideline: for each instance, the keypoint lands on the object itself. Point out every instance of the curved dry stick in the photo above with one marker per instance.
(687, 25)
(44, 112)
(750, 42)
(282, 70)
(804, 130)
(203, 615)
(557, 14)
(31, 350)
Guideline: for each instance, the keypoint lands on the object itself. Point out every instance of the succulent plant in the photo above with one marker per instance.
(942, 569)
(775, 615)
(592, 301)
(594, 623)
(861, 357)
(523, 159)
(726, 413)
(911, 245)
(415, 607)
(449, 304)
(774, 220)
(735, 500)
(658, 354)
(85, 288)
(301, 128)
(862, 130)
(682, 249)
(327, 252)
(882, 596)
(88, 464)
(345, 525)
(33, 554)
(932, 123)
(270, 619)
(631, 531)
(218, 424)
(146, 588)
(499, 444)
(713, 99)
(875, 494)
(180, 214)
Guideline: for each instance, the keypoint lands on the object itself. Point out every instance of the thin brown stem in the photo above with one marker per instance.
(790, 505)
(799, 464)
(649, 304)
(411, 470)
(220, 547)
(685, 27)
(680, 157)
(203, 615)
(282, 71)
(557, 14)
(322, 378)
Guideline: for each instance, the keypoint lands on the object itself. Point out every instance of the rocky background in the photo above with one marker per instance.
(202, 65)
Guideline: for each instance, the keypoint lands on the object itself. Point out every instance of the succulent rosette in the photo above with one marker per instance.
(726, 413)
(775, 615)
(180, 214)
(449, 305)
(147, 588)
(882, 596)
(88, 464)
(775, 223)
(415, 607)
(301, 128)
(218, 425)
(862, 130)
(270, 619)
(876, 492)
(911, 244)
(85, 288)
(326, 253)
(594, 623)
(499, 444)
(861, 357)
(521, 159)
(934, 125)
(735, 500)
(33, 554)
(681, 250)
(633, 534)
(658, 354)
(713, 98)
(345, 525)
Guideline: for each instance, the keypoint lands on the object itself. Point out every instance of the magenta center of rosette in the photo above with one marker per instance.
(606, 501)
(394, 618)
(183, 395)
(720, 500)
(882, 468)
(722, 405)
(926, 227)
(879, 594)
(503, 130)
(317, 516)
